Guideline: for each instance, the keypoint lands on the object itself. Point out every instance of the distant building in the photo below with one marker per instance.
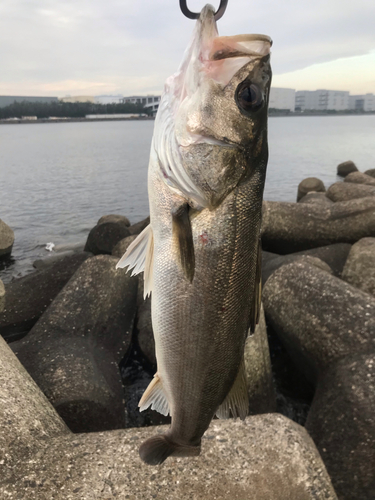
(109, 99)
(78, 98)
(115, 116)
(282, 98)
(6, 100)
(306, 99)
(365, 102)
(149, 101)
(322, 100)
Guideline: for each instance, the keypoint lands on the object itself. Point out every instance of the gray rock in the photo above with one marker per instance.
(74, 350)
(114, 218)
(139, 226)
(318, 317)
(315, 198)
(28, 297)
(104, 236)
(344, 191)
(121, 247)
(27, 418)
(262, 396)
(359, 269)
(292, 227)
(40, 264)
(370, 172)
(345, 168)
(341, 422)
(60, 251)
(360, 178)
(310, 184)
(267, 457)
(333, 255)
(268, 256)
(6, 239)
(2, 296)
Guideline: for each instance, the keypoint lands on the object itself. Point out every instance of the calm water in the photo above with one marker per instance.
(57, 180)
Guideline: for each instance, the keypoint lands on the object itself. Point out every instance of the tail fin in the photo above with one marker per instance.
(157, 448)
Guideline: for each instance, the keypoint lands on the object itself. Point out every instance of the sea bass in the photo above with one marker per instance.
(200, 254)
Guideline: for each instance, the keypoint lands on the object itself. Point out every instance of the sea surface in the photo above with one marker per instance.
(58, 179)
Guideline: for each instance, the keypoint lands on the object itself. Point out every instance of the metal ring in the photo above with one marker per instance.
(194, 15)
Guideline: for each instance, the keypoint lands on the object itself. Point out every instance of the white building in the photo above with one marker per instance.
(322, 100)
(282, 98)
(337, 100)
(306, 99)
(364, 102)
(148, 101)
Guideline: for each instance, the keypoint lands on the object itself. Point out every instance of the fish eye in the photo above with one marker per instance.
(249, 97)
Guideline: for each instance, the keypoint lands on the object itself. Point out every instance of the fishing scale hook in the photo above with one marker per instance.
(195, 15)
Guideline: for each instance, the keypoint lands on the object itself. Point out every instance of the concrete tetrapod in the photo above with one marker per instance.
(345, 168)
(359, 268)
(341, 422)
(262, 396)
(291, 227)
(334, 255)
(29, 297)
(344, 191)
(318, 317)
(74, 350)
(308, 185)
(315, 198)
(360, 178)
(267, 457)
(6, 239)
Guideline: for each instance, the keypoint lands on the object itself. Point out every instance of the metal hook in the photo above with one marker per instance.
(194, 15)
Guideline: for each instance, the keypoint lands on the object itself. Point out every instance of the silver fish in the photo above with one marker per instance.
(200, 254)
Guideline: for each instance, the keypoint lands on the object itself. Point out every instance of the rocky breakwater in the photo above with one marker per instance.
(325, 318)
(267, 457)
(90, 355)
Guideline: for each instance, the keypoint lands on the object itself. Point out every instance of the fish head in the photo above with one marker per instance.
(218, 104)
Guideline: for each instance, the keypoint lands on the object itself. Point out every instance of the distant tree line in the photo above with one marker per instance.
(67, 109)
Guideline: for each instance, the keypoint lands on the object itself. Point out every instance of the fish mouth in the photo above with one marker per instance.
(205, 139)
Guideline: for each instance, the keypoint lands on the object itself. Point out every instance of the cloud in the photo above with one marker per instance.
(122, 46)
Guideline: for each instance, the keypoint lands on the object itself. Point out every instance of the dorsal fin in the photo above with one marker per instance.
(140, 257)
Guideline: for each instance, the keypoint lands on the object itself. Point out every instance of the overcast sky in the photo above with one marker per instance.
(92, 47)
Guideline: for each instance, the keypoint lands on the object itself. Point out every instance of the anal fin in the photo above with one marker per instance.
(236, 404)
(154, 396)
(183, 233)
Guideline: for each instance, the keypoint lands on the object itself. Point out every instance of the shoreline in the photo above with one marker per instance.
(69, 120)
(87, 120)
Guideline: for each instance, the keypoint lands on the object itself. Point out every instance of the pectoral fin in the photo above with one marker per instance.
(140, 257)
(255, 307)
(184, 237)
(236, 403)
